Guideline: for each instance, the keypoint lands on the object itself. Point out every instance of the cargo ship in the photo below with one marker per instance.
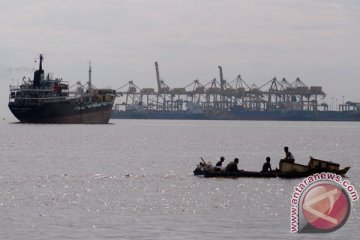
(49, 100)
(234, 100)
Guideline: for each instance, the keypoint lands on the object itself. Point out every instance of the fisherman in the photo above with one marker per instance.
(232, 166)
(288, 155)
(219, 163)
(203, 167)
(202, 164)
(267, 166)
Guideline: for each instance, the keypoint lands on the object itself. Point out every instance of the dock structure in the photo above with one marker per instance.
(218, 96)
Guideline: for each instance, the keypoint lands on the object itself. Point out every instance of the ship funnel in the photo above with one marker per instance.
(38, 74)
(40, 64)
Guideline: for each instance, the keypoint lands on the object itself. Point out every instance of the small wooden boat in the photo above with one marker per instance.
(287, 170)
(273, 174)
(239, 174)
(199, 171)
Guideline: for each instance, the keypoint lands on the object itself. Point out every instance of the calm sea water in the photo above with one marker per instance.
(132, 179)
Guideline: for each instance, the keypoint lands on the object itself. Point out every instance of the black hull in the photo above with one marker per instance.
(63, 112)
(247, 174)
(274, 174)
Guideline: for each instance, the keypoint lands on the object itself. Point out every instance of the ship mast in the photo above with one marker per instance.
(89, 82)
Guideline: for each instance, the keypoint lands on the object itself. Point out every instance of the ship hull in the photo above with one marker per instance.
(295, 115)
(63, 112)
(170, 115)
(235, 114)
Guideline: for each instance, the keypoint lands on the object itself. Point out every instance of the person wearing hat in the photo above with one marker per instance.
(232, 166)
(267, 166)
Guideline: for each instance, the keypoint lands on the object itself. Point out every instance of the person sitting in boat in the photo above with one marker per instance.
(288, 155)
(267, 166)
(202, 164)
(203, 167)
(232, 166)
(219, 163)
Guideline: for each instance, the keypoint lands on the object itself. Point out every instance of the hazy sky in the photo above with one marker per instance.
(316, 40)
